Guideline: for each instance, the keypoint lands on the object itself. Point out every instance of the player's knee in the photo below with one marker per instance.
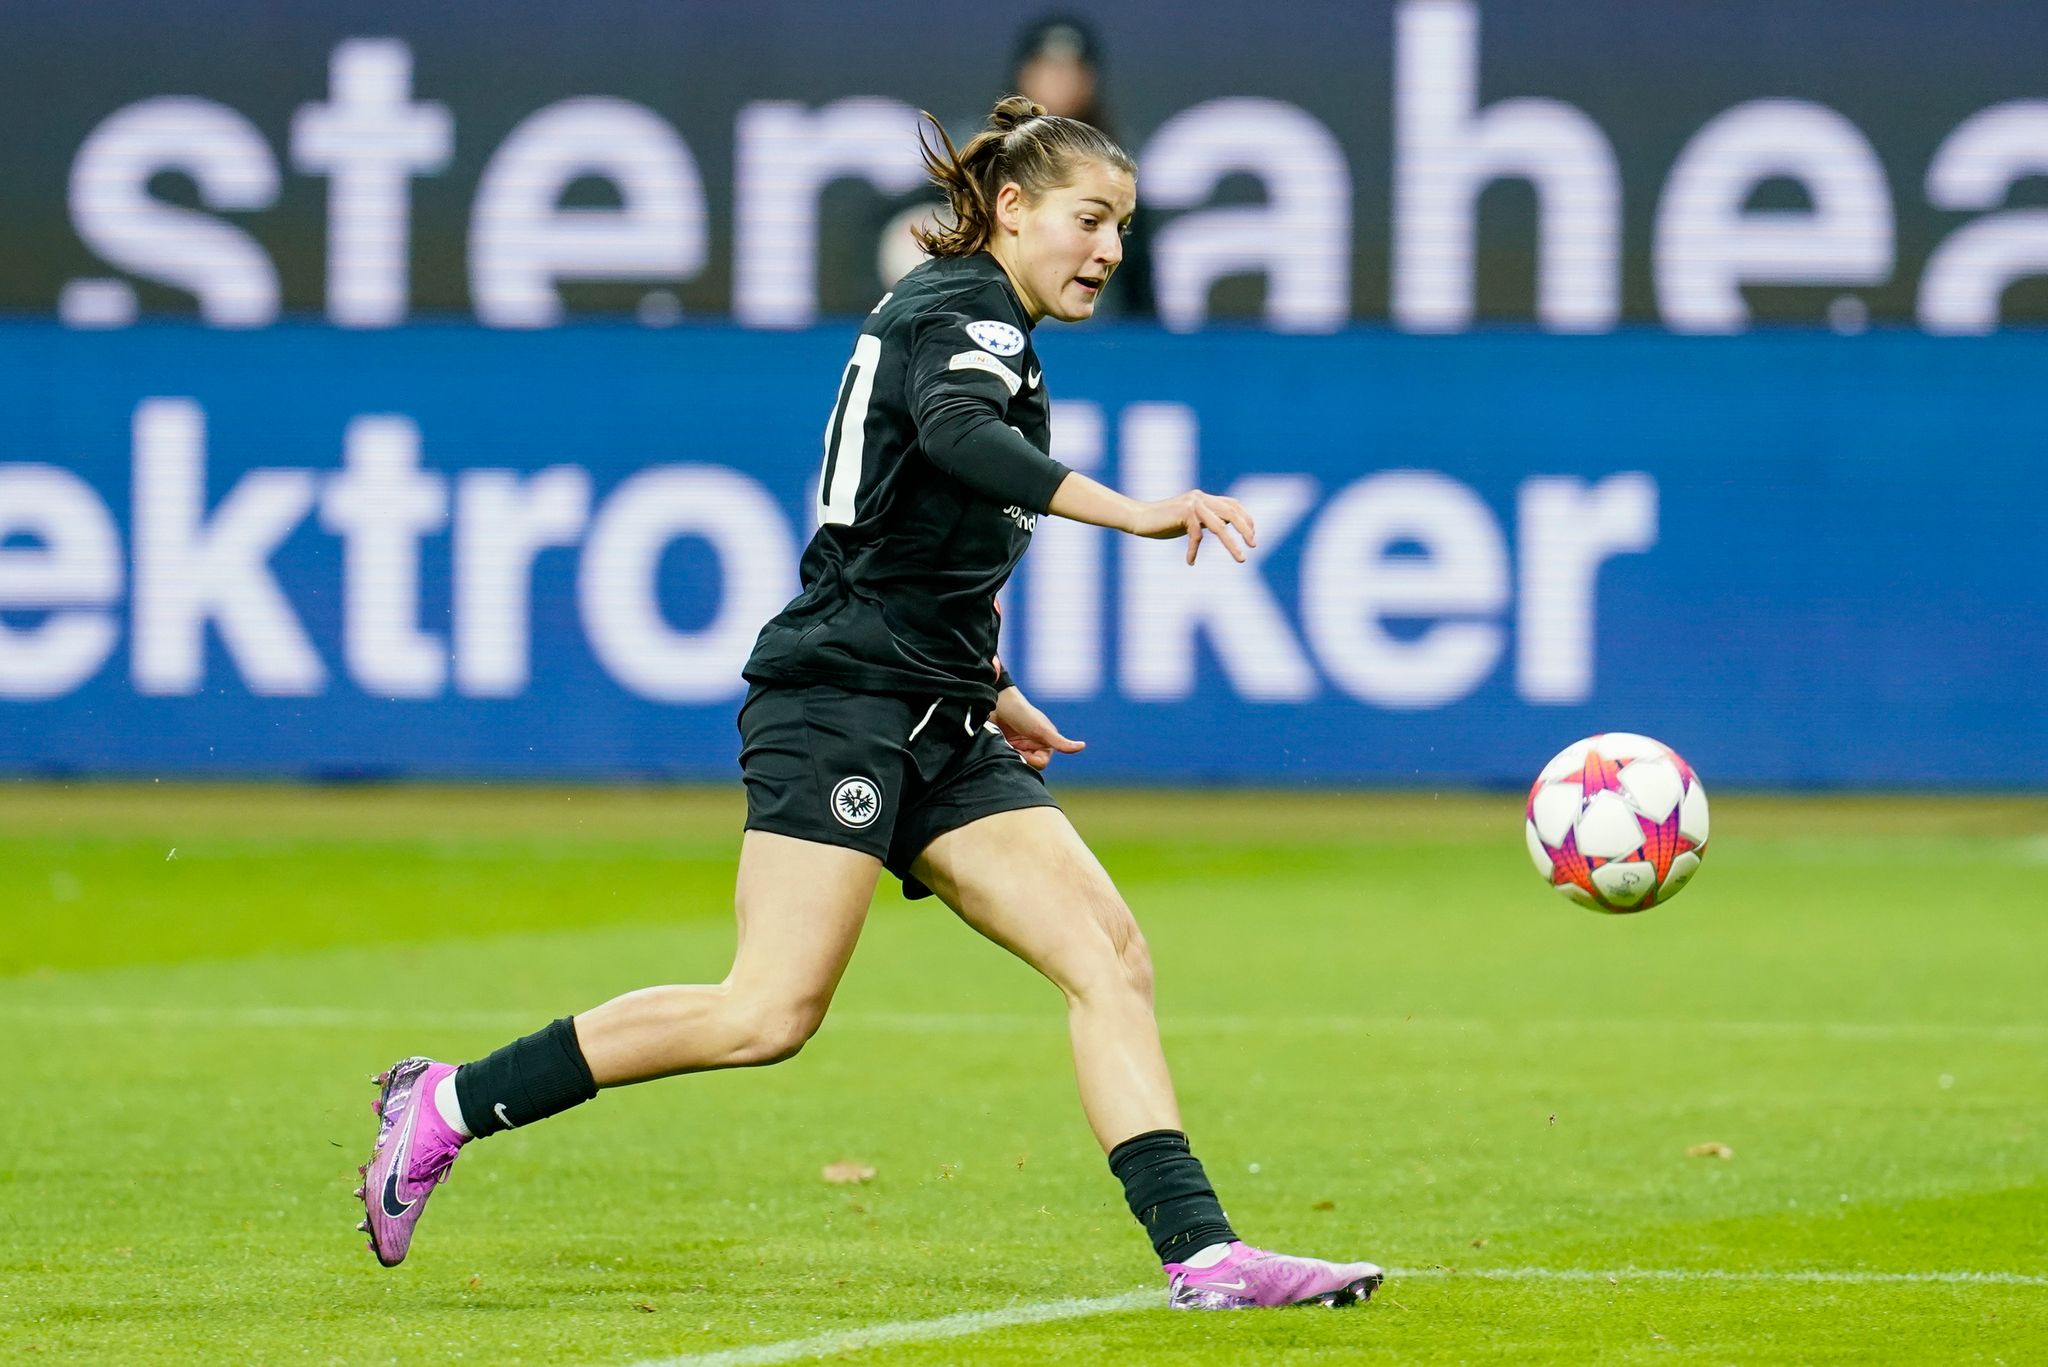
(773, 1033)
(1135, 957)
(1118, 962)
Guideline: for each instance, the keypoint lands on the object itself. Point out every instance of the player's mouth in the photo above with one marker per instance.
(1092, 284)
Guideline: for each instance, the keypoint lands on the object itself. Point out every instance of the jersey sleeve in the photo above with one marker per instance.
(958, 389)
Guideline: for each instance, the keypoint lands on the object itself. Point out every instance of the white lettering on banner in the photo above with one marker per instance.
(72, 577)
(1565, 530)
(381, 505)
(1975, 168)
(369, 140)
(784, 156)
(1064, 574)
(190, 571)
(218, 264)
(1356, 576)
(1447, 150)
(616, 584)
(1709, 246)
(1167, 602)
(522, 242)
(502, 522)
(1299, 239)
(1403, 585)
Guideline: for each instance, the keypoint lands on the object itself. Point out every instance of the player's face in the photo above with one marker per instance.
(1070, 240)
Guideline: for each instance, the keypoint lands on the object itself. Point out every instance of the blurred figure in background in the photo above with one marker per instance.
(1058, 64)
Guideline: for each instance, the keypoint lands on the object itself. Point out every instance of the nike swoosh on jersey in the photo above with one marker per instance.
(1031, 380)
(394, 1208)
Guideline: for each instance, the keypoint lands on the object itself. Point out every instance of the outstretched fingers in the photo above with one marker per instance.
(1241, 518)
(1220, 517)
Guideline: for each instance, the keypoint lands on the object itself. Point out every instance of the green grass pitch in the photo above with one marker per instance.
(1390, 1040)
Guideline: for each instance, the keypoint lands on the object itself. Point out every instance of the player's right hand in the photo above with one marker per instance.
(1193, 513)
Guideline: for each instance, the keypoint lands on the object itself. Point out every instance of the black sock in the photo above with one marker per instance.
(529, 1079)
(1170, 1194)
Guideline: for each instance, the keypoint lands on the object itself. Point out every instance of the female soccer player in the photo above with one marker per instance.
(880, 731)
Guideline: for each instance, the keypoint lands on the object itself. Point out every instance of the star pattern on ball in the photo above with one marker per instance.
(1617, 822)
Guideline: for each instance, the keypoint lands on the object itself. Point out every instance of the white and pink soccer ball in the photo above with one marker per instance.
(1617, 822)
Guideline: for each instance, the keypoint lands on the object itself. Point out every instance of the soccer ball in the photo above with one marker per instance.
(1617, 822)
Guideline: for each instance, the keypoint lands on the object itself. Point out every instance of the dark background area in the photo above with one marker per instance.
(1649, 74)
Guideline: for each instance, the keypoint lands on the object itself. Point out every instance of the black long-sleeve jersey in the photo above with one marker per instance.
(936, 470)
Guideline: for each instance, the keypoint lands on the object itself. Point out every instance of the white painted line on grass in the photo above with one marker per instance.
(910, 1331)
(265, 1017)
(1044, 1312)
(1045, 1022)
(1846, 1031)
(1723, 1274)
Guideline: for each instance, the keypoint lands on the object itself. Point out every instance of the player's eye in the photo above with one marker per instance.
(1088, 222)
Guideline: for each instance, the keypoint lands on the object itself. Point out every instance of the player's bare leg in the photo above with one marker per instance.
(800, 908)
(1027, 881)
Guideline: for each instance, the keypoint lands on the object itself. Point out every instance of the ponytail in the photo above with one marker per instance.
(1021, 143)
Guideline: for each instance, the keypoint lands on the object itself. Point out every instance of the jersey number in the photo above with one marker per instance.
(846, 436)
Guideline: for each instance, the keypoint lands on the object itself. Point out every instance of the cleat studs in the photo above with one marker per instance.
(377, 1107)
(359, 1194)
(364, 1226)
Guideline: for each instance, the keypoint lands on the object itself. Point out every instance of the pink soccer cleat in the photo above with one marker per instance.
(415, 1149)
(1248, 1278)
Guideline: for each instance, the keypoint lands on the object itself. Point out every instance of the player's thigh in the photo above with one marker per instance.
(801, 905)
(1026, 880)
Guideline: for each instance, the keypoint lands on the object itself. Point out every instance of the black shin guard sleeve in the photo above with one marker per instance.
(1170, 1194)
(529, 1079)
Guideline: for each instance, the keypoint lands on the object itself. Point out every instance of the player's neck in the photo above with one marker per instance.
(1016, 278)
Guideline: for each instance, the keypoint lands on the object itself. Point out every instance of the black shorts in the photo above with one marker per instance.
(877, 773)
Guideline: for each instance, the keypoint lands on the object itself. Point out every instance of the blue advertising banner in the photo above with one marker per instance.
(451, 551)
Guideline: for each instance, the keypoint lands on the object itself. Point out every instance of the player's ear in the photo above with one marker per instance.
(1010, 206)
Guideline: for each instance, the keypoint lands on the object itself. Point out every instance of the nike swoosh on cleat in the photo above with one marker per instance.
(1238, 1285)
(394, 1209)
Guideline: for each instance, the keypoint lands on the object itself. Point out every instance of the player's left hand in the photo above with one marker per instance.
(1029, 731)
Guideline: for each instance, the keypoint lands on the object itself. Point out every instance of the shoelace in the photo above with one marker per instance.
(431, 1166)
